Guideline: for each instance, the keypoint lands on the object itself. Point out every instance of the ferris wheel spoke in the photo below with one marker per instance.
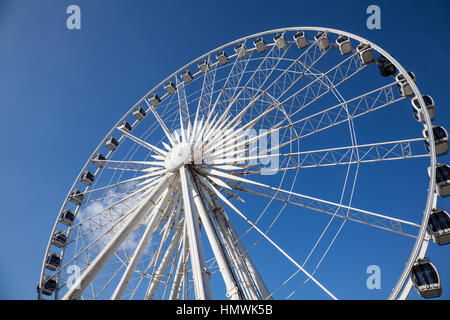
(180, 268)
(231, 83)
(384, 222)
(171, 222)
(356, 107)
(149, 177)
(113, 225)
(353, 214)
(231, 206)
(284, 80)
(263, 72)
(101, 259)
(157, 276)
(204, 102)
(143, 143)
(182, 100)
(340, 113)
(367, 153)
(155, 216)
(161, 123)
(230, 90)
(168, 209)
(121, 201)
(341, 72)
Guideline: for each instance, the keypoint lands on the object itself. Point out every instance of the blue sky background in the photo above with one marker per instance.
(61, 90)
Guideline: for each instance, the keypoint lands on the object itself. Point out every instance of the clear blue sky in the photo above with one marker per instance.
(61, 90)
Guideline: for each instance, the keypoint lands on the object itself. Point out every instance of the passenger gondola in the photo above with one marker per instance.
(426, 278)
(417, 111)
(53, 261)
(240, 50)
(344, 45)
(365, 53)
(440, 140)
(170, 87)
(300, 39)
(98, 160)
(125, 126)
(186, 75)
(76, 197)
(67, 217)
(280, 41)
(322, 40)
(439, 226)
(442, 180)
(112, 143)
(87, 178)
(386, 67)
(139, 113)
(260, 45)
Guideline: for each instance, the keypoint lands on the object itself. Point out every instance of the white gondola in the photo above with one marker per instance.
(429, 103)
(440, 140)
(154, 100)
(280, 41)
(260, 45)
(343, 42)
(439, 226)
(322, 40)
(442, 180)
(98, 160)
(365, 53)
(240, 50)
(203, 66)
(53, 261)
(186, 75)
(76, 197)
(170, 87)
(87, 178)
(426, 278)
(222, 58)
(386, 67)
(125, 126)
(67, 217)
(112, 143)
(404, 87)
(300, 39)
(139, 113)
(47, 286)
(59, 239)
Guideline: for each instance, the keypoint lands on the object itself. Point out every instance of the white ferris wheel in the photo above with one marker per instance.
(257, 171)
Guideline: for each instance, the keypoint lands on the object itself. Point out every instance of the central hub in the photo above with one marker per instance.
(178, 156)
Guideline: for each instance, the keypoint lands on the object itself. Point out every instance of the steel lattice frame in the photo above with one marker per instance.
(175, 197)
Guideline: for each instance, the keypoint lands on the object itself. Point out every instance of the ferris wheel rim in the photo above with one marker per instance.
(421, 239)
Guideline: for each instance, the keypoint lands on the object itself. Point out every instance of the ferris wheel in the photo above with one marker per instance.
(264, 169)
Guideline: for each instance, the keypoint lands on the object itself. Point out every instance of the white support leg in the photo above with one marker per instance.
(201, 278)
(256, 277)
(230, 283)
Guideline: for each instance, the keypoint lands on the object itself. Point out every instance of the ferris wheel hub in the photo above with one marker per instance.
(178, 156)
